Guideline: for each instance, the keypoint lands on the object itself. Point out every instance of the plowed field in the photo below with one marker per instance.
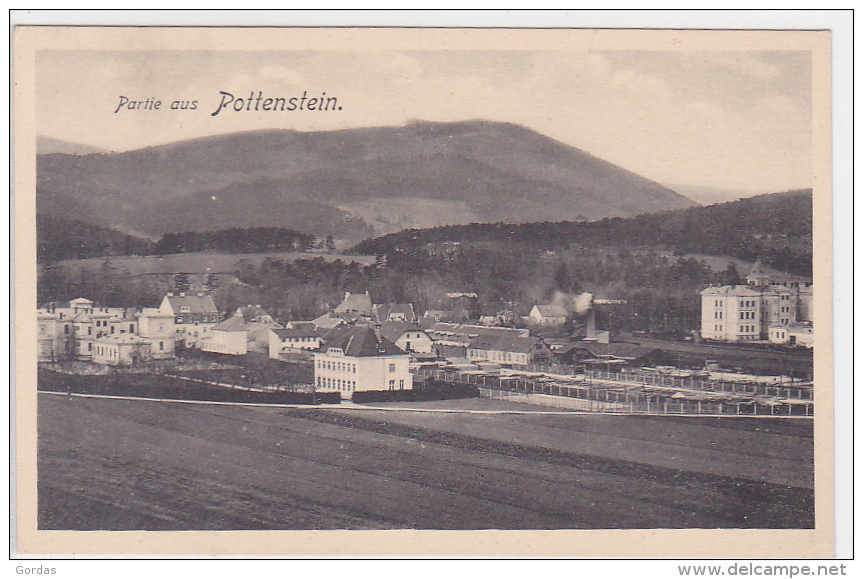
(117, 464)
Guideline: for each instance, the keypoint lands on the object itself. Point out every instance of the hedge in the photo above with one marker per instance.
(430, 391)
(146, 385)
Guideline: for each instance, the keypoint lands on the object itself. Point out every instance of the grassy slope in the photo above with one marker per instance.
(134, 465)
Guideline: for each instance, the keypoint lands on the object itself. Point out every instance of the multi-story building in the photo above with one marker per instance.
(360, 359)
(81, 330)
(158, 328)
(731, 313)
(764, 309)
(194, 315)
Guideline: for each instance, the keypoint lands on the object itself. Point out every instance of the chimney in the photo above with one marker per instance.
(347, 295)
(591, 325)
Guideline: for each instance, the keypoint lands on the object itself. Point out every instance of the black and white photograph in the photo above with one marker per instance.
(427, 280)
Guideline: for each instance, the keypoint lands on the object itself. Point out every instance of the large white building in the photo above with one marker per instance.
(359, 359)
(80, 329)
(770, 307)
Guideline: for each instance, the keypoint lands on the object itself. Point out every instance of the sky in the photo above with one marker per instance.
(733, 120)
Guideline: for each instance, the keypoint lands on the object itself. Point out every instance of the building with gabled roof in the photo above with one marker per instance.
(547, 315)
(394, 313)
(236, 336)
(355, 305)
(194, 314)
(327, 322)
(407, 336)
(360, 359)
(294, 340)
(258, 315)
(122, 350)
(508, 349)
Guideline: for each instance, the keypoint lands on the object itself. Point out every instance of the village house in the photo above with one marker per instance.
(327, 322)
(256, 314)
(283, 341)
(194, 315)
(354, 307)
(508, 350)
(799, 334)
(122, 350)
(359, 359)
(237, 337)
(452, 340)
(407, 336)
(394, 313)
(547, 315)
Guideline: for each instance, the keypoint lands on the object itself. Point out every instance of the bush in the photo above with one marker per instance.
(429, 390)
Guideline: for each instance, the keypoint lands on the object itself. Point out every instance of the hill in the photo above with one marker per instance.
(60, 239)
(50, 145)
(710, 195)
(351, 184)
(776, 228)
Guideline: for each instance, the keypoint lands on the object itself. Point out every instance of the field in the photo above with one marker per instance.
(200, 262)
(119, 464)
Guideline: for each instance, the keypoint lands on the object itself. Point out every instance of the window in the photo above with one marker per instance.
(392, 367)
(392, 384)
(401, 384)
(161, 346)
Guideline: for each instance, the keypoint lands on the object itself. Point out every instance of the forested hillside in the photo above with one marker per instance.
(776, 228)
(58, 239)
(235, 240)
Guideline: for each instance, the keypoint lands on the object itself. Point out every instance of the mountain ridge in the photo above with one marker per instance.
(498, 171)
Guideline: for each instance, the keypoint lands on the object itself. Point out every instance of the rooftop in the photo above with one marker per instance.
(362, 342)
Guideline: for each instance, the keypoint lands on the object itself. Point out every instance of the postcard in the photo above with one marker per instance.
(423, 292)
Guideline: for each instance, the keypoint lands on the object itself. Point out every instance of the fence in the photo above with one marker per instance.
(609, 392)
(638, 376)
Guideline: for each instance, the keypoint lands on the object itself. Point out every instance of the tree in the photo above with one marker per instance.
(212, 282)
(182, 283)
(330, 244)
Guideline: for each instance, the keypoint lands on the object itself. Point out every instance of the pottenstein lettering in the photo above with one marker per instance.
(259, 102)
